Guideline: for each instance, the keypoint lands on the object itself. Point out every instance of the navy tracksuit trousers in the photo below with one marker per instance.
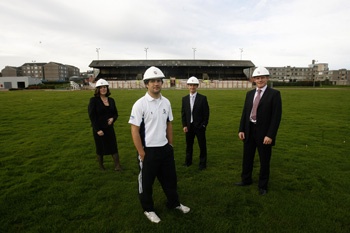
(158, 163)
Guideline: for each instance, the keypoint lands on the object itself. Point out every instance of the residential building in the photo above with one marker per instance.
(339, 77)
(288, 73)
(73, 71)
(314, 72)
(33, 69)
(10, 71)
(55, 72)
(51, 71)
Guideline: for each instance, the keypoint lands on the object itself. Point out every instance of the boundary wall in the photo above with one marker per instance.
(181, 84)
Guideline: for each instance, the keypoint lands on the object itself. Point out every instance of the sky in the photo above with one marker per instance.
(267, 32)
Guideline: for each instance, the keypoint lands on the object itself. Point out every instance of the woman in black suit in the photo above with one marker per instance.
(103, 113)
(258, 128)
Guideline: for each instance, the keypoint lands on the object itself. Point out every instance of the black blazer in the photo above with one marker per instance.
(268, 116)
(99, 113)
(200, 111)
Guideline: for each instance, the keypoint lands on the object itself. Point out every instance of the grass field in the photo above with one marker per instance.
(50, 181)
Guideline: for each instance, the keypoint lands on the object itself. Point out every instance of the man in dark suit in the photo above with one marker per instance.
(195, 117)
(258, 128)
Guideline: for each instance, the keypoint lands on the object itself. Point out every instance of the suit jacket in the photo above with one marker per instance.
(200, 111)
(268, 116)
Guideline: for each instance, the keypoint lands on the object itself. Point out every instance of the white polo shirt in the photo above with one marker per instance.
(155, 113)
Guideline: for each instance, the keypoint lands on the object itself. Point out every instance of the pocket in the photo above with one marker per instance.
(170, 149)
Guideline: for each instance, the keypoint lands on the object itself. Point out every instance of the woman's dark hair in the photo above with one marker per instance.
(97, 92)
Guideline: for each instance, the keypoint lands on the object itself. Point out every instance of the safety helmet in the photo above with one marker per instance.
(261, 71)
(193, 80)
(153, 73)
(101, 82)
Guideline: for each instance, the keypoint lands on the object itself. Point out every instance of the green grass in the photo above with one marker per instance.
(50, 181)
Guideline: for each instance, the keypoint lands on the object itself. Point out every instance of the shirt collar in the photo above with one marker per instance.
(150, 98)
(262, 89)
(195, 94)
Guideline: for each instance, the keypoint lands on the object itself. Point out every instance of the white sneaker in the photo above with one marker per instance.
(183, 209)
(152, 216)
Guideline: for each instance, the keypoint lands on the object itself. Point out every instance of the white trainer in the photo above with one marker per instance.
(152, 216)
(183, 209)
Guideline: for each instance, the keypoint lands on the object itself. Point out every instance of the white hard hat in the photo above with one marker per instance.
(153, 73)
(101, 82)
(261, 71)
(193, 80)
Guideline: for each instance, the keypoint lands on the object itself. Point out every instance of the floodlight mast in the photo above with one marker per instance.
(98, 53)
(146, 52)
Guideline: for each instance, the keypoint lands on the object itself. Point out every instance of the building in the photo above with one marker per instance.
(19, 82)
(51, 71)
(55, 72)
(314, 72)
(10, 71)
(339, 77)
(174, 69)
(73, 71)
(288, 73)
(34, 69)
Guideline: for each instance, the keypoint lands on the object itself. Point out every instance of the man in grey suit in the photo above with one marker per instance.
(258, 128)
(195, 118)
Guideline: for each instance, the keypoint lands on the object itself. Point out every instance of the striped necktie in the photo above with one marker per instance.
(255, 104)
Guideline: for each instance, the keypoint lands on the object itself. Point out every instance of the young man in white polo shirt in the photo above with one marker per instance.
(152, 134)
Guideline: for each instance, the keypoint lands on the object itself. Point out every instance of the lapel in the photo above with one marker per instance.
(188, 102)
(196, 100)
(266, 93)
(251, 98)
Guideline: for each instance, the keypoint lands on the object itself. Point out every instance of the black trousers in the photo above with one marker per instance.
(202, 142)
(250, 146)
(158, 162)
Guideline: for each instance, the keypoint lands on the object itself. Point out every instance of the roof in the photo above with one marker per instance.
(34, 63)
(162, 63)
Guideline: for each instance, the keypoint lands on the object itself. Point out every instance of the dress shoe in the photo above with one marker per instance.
(243, 183)
(262, 192)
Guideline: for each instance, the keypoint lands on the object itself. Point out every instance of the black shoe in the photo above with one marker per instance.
(201, 168)
(243, 183)
(262, 192)
(186, 164)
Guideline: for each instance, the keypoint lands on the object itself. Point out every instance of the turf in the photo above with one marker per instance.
(50, 181)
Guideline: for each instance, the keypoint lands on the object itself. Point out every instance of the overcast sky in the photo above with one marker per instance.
(270, 32)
